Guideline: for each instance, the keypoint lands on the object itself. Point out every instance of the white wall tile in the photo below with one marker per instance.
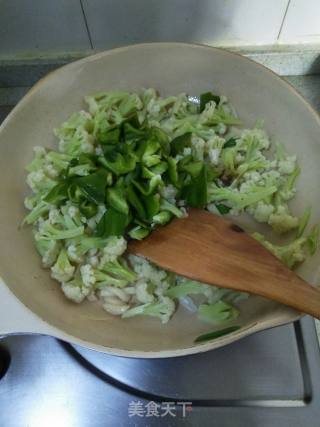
(302, 22)
(40, 25)
(219, 22)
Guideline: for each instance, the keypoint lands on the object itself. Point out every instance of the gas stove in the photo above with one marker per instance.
(268, 379)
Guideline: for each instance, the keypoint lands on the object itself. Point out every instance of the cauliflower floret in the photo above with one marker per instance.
(74, 136)
(48, 249)
(39, 151)
(73, 254)
(287, 194)
(137, 101)
(245, 187)
(38, 181)
(215, 141)
(163, 308)
(80, 142)
(34, 178)
(262, 211)
(255, 134)
(50, 256)
(288, 190)
(291, 254)
(198, 145)
(253, 177)
(208, 112)
(93, 221)
(161, 289)
(221, 128)
(51, 171)
(87, 275)
(115, 247)
(73, 211)
(153, 107)
(281, 220)
(239, 158)
(169, 309)
(100, 278)
(77, 250)
(93, 251)
(112, 291)
(30, 202)
(142, 293)
(272, 164)
(87, 147)
(287, 166)
(169, 193)
(115, 306)
(74, 293)
(271, 177)
(54, 216)
(93, 260)
(257, 180)
(214, 146)
(62, 270)
(182, 107)
(146, 271)
(214, 155)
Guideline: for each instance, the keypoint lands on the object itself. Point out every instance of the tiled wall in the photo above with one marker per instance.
(302, 22)
(41, 25)
(28, 26)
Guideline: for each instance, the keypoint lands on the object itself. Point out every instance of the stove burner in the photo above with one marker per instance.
(4, 362)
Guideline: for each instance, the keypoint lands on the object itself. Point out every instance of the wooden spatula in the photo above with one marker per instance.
(213, 250)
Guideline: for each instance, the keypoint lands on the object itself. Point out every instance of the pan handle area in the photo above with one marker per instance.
(16, 318)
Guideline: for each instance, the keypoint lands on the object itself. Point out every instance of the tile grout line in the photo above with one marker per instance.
(284, 17)
(317, 322)
(87, 25)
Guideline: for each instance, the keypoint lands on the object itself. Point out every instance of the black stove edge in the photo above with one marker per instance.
(4, 361)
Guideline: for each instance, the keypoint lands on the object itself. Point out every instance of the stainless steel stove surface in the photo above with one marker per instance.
(268, 379)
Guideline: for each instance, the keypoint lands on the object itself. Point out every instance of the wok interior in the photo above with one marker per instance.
(171, 68)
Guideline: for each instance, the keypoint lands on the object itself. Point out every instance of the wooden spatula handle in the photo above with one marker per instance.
(213, 250)
(295, 293)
